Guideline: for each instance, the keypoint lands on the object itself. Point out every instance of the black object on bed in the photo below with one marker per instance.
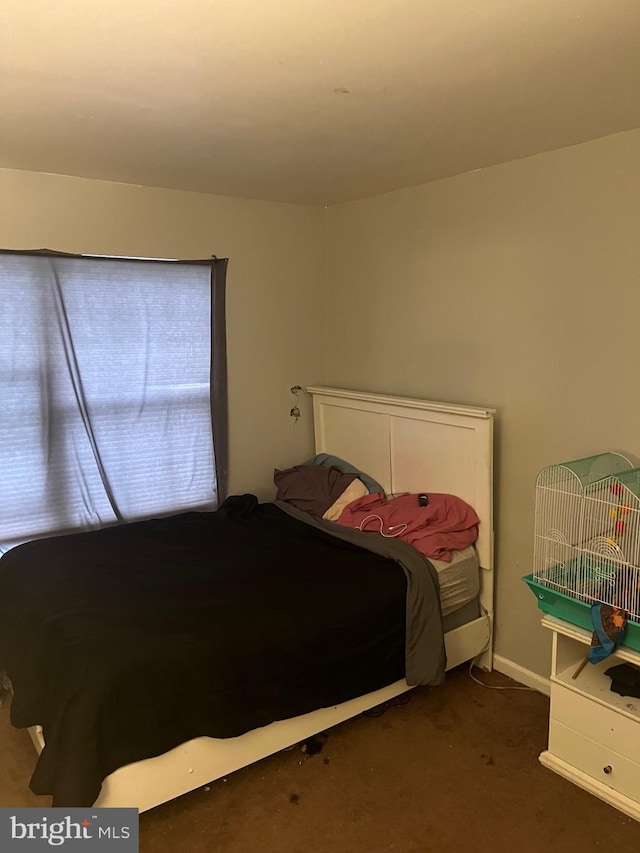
(125, 642)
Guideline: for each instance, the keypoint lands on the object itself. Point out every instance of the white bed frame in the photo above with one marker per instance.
(407, 445)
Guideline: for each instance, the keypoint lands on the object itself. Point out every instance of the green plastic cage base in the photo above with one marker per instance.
(562, 606)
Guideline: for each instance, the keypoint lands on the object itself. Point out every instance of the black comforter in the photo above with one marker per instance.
(125, 642)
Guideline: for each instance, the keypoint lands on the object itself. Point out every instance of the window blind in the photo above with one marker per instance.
(105, 368)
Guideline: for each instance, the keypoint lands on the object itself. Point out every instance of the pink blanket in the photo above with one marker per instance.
(444, 525)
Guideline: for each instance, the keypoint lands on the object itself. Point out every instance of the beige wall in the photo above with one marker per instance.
(515, 287)
(273, 287)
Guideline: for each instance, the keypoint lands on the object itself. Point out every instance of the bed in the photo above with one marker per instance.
(366, 658)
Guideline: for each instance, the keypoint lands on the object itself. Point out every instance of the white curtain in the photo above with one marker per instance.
(105, 391)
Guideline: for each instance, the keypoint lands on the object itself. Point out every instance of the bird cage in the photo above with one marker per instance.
(568, 515)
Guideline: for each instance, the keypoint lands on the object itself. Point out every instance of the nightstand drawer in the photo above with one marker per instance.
(605, 725)
(600, 762)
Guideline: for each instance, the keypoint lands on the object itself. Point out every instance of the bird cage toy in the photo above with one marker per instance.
(611, 558)
(587, 538)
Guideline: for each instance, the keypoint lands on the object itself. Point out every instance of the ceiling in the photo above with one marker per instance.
(308, 101)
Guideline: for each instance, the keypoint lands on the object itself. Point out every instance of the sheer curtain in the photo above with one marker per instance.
(108, 391)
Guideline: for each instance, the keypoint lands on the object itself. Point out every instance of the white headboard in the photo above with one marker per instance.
(411, 445)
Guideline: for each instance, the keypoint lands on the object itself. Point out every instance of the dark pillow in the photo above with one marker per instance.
(312, 488)
(346, 468)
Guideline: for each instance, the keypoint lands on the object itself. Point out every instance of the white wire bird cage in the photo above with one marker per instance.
(587, 531)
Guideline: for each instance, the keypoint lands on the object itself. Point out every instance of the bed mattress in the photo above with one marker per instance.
(459, 580)
(248, 614)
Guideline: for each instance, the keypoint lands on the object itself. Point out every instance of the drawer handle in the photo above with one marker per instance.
(608, 769)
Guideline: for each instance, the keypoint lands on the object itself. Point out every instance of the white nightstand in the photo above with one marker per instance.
(594, 734)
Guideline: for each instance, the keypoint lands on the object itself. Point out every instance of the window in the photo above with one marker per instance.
(110, 372)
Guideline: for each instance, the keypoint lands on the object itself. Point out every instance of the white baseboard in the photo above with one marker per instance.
(522, 675)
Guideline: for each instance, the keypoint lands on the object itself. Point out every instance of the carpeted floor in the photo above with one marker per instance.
(454, 769)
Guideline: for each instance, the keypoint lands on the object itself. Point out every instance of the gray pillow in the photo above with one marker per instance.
(346, 468)
(313, 488)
